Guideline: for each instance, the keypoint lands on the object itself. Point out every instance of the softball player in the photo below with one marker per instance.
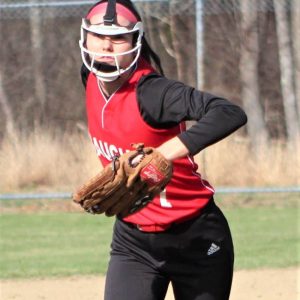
(181, 236)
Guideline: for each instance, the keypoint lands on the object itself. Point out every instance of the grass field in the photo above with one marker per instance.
(47, 243)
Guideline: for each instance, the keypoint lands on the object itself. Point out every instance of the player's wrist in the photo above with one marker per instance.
(173, 149)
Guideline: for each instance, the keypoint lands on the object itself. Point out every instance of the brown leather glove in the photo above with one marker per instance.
(127, 184)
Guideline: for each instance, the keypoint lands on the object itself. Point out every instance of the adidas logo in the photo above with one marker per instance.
(212, 249)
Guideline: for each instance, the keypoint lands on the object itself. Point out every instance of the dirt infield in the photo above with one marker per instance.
(247, 285)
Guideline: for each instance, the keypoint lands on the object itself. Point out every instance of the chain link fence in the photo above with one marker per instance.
(247, 51)
(201, 42)
(12, 9)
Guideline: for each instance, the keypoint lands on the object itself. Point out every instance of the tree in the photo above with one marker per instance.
(286, 68)
(295, 14)
(9, 122)
(183, 39)
(249, 74)
(36, 43)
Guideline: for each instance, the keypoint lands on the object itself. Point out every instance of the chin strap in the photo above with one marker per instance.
(110, 15)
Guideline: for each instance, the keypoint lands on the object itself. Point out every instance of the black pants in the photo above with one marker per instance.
(196, 256)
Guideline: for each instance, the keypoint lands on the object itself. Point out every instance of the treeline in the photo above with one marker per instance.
(250, 55)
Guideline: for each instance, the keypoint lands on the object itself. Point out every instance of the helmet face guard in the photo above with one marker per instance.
(108, 28)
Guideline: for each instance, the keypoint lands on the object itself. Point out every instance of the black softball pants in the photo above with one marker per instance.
(196, 256)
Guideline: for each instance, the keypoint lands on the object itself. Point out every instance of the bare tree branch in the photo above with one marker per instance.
(166, 42)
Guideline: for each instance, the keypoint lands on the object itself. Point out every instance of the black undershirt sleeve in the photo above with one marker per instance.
(165, 103)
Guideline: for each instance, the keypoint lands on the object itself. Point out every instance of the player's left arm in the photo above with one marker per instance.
(166, 103)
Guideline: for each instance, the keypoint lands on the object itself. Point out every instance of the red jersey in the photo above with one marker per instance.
(115, 123)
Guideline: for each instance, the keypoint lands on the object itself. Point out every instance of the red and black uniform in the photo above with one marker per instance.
(181, 236)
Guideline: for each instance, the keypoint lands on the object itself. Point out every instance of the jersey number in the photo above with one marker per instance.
(163, 199)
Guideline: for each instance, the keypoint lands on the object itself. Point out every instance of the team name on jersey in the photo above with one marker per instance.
(107, 150)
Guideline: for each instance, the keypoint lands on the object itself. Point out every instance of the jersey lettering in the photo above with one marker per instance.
(106, 150)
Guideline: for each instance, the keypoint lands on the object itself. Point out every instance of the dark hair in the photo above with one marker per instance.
(146, 52)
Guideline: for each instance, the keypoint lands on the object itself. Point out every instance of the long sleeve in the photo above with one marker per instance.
(165, 103)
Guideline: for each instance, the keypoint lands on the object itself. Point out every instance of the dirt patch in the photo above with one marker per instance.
(247, 285)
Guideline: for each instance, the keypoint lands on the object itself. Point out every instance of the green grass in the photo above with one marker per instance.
(266, 237)
(61, 244)
(52, 244)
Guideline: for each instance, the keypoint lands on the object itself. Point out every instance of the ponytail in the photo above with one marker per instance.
(150, 56)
